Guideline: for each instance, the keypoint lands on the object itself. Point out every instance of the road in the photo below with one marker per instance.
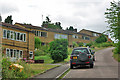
(105, 67)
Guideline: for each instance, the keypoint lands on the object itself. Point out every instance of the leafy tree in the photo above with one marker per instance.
(71, 29)
(37, 42)
(58, 49)
(9, 19)
(48, 24)
(113, 20)
(75, 44)
(101, 39)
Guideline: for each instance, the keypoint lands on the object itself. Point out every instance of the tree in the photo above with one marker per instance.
(37, 42)
(58, 49)
(71, 29)
(48, 24)
(101, 39)
(9, 19)
(113, 20)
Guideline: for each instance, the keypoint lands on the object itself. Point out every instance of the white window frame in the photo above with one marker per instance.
(32, 55)
(15, 53)
(11, 34)
(24, 37)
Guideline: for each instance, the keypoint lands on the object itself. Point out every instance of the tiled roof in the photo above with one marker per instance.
(14, 27)
(91, 31)
(52, 30)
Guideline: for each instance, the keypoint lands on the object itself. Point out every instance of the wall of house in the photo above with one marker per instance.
(19, 45)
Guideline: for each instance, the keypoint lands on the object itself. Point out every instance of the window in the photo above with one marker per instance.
(39, 33)
(18, 36)
(95, 34)
(21, 54)
(44, 34)
(11, 53)
(21, 36)
(24, 37)
(17, 55)
(60, 36)
(12, 35)
(7, 52)
(85, 38)
(14, 53)
(74, 36)
(4, 33)
(31, 54)
(8, 34)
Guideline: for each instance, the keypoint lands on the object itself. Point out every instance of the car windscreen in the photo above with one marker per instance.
(80, 50)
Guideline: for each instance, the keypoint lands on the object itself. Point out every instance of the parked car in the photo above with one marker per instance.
(81, 56)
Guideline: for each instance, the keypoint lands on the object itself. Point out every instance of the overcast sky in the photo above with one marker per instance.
(82, 14)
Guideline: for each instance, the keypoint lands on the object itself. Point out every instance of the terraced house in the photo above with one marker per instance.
(47, 35)
(17, 42)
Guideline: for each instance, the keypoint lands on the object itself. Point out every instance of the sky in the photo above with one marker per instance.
(81, 14)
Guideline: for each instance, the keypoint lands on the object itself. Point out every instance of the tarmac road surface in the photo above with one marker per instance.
(104, 67)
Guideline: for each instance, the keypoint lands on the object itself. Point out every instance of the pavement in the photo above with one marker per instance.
(52, 74)
(105, 67)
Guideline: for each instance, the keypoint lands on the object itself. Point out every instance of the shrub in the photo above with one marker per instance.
(80, 44)
(58, 49)
(14, 73)
(75, 44)
(88, 44)
(43, 50)
(101, 39)
(37, 42)
(106, 44)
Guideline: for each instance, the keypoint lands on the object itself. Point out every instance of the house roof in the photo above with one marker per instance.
(90, 31)
(14, 27)
(52, 30)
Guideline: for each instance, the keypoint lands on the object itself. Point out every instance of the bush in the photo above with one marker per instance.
(75, 44)
(58, 49)
(43, 50)
(14, 73)
(106, 44)
(80, 44)
(37, 42)
(101, 39)
(88, 44)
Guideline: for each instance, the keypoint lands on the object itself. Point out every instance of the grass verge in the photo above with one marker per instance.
(63, 74)
(46, 58)
(40, 68)
(116, 57)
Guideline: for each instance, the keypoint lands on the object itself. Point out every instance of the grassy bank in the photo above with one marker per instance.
(40, 68)
(116, 57)
(28, 70)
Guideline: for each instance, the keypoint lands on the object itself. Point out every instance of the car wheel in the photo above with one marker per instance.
(91, 65)
(71, 66)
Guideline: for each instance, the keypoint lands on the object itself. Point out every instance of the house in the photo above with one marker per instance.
(94, 35)
(17, 42)
(47, 35)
